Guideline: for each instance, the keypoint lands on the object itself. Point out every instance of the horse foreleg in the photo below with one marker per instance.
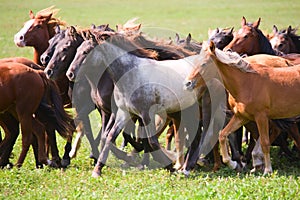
(262, 123)
(179, 143)
(234, 123)
(77, 141)
(121, 119)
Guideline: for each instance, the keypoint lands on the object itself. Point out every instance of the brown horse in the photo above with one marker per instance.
(250, 40)
(25, 106)
(46, 117)
(37, 31)
(285, 41)
(261, 93)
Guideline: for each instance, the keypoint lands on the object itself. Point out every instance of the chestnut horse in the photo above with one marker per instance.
(285, 41)
(28, 107)
(37, 31)
(261, 93)
(250, 40)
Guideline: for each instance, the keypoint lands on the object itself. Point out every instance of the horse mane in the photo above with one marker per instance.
(54, 21)
(233, 59)
(264, 43)
(128, 45)
(163, 49)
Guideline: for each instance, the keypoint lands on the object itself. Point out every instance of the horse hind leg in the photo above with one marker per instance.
(40, 132)
(234, 123)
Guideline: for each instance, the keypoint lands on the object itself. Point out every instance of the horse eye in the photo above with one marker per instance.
(38, 26)
(245, 36)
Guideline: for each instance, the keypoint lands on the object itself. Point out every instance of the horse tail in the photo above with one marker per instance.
(53, 109)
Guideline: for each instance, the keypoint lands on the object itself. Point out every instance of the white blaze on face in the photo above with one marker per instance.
(273, 42)
(19, 37)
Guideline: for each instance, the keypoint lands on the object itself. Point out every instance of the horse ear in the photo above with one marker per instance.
(188, 38)
(177, 37)
(275, 29)
(243, 23)
(289, 30)
(231, 30)
(72, 31)
(31, 15)
(256, 24)
(212, 46)
(93, 26)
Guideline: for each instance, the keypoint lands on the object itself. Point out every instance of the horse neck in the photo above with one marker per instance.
(265, 45)
(231, 77)
(116, 60)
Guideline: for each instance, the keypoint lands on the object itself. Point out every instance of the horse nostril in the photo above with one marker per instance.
(21, 37)
(49, 73)
(70, 75)
(188, 84)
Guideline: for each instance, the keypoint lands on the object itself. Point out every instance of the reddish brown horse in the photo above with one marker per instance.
(261, 93)
(53, 119)
(24, 105)
(37, 31)
(250, 40)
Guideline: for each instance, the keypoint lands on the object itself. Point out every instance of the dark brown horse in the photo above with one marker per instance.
(45, 104)
(286, 40)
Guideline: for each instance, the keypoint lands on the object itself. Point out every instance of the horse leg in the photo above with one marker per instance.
(294, 133)
(56, 160)
(169, 135)
(121, 118)
(217, 158)
(40, 132)
(26, 128)
(77, 141)
(158, 154)
(35, 147)
(11, 130)
(263, 128)
(179, 143)
(234, 123)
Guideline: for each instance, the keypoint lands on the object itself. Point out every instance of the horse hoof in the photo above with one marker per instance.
(96, 174)
(65, 163)
(140, 167)
(240, 167)
(257, 168)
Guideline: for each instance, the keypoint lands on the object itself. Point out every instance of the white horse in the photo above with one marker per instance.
(143, 87)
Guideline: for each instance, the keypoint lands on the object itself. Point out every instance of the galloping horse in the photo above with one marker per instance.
(260, 93)
(45, 117)
(37, 31)
(285, 41)
(23, 105)
(133, 99)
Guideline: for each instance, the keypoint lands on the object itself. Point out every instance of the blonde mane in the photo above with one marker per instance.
(48, 11)
(234, 59)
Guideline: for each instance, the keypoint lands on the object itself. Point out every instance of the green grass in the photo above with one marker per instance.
(167, 17)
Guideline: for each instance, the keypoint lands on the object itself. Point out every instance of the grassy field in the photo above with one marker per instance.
(163, 18)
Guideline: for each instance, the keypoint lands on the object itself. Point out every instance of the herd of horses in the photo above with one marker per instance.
(202, 93)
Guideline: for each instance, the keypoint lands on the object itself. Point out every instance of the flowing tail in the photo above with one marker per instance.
(52, 111)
